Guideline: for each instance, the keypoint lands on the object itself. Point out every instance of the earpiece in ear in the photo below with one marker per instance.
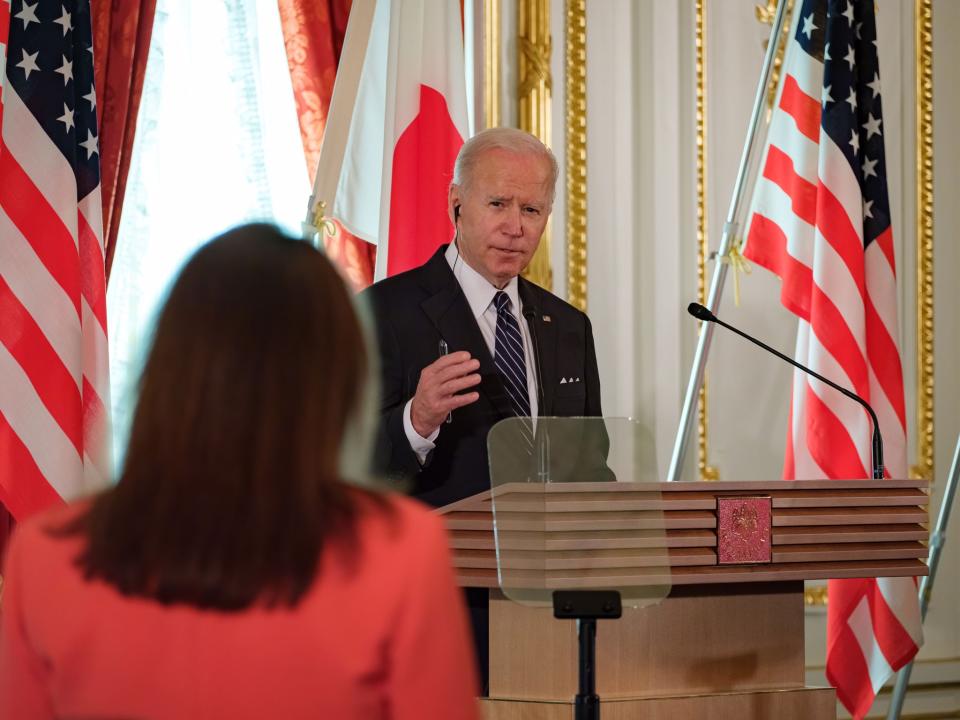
(456, 234)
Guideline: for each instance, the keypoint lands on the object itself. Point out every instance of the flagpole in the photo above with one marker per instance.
(730, 229)
(337, 129)
(937, 538)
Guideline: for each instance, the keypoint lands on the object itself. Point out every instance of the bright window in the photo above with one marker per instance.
(217, 145)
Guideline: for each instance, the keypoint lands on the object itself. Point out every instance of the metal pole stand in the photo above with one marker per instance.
(937, 538)
(586, 607)
(730, 230)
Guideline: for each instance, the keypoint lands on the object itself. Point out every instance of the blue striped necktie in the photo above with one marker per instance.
(508, 356)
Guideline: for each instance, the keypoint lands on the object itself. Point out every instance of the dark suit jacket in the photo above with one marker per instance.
(413, 312)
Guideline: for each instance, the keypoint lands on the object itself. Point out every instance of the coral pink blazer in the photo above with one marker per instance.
(387, 638)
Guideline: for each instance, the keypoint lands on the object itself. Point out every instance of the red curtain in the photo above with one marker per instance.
(121, 42)
(313, 33)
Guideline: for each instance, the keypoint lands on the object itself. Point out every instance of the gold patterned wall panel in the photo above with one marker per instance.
(491, 62)
(576, 151)
(923, 19)
(534, 95)
(705, 470)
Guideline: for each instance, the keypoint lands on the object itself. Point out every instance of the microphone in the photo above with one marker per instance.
(702, 313)
(530, 314)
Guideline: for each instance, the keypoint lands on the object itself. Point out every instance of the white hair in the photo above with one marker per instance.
(502, 138)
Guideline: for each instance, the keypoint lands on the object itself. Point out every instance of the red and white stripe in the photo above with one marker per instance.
(806, 225)
(54, 429)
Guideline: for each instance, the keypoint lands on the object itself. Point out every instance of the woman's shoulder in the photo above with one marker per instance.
(41, 552)
(400, 519)
(48, 526)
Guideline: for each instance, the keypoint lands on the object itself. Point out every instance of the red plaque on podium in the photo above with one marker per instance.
(743, 530)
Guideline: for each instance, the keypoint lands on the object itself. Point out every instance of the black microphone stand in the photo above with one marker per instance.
(702, 313)
(586, 607)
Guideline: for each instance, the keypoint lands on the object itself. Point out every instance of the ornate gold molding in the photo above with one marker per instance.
(491, 62)
(766, 14)
(815, 595)
(923, 28)
(576, 151)
(534, 89)
(707, 471)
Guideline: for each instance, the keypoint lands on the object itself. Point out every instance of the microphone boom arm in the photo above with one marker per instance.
(877, 441)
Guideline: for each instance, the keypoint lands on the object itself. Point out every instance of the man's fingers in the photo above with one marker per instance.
(447, 360)
(439, 384)
(458, 401)
(457, 384)
(450, 392)
(451, 371)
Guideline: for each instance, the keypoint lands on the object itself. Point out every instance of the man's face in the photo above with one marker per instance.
(503, 212)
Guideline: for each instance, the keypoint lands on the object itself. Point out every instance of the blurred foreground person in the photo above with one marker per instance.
(233, 572)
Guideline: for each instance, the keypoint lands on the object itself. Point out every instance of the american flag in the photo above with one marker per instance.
(821, 221)
(53, 340)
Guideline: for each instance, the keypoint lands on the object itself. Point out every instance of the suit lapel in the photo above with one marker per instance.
(545, 340)
(448, 310)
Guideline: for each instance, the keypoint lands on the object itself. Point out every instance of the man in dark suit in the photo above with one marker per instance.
(465, 342)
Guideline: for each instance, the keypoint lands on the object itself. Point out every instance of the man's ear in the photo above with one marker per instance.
(454, 201)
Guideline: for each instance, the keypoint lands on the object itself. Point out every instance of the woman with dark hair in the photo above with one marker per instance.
(233, 572)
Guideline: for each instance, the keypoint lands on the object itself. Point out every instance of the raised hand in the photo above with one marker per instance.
(438, 388)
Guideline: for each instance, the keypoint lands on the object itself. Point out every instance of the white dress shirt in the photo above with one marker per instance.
(479, 293)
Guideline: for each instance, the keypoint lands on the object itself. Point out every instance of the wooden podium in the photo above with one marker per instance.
(728, 640)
